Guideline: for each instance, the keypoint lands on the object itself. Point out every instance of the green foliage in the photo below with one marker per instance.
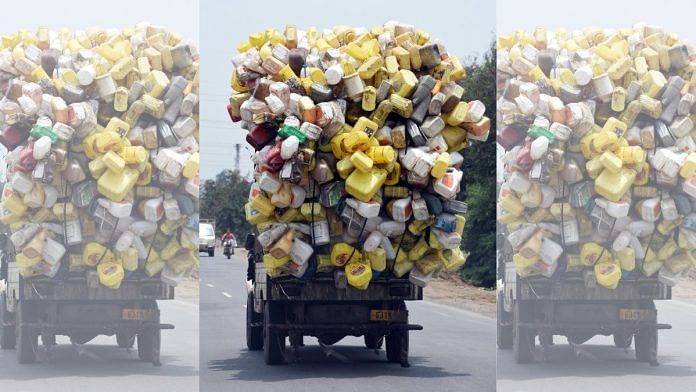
(478, 184)
(223, 199)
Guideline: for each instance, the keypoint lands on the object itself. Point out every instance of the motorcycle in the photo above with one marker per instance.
(228, 248)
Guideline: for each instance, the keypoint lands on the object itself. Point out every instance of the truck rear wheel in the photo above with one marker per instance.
(397, 343)
(211, 253)
(623, 340)
(504, 331)
(523, 340)
(646, 345)
(125, 340)
(254, 334)
(150, 340)
(27, 340)
(273, 339)
(7, 332)
(373, 341)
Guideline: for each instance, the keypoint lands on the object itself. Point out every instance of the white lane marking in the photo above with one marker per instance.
(226, 295)
(209, 285)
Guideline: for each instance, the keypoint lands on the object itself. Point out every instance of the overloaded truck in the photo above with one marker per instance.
(538, 306)
(328, 309)
(79, 307)
(356, 180)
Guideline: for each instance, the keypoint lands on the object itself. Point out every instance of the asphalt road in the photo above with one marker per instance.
(601, 367)
(101, 366)
(455, 351)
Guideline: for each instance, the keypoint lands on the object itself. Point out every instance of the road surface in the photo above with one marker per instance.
(601, 367)
(455, 351)
(101, 366)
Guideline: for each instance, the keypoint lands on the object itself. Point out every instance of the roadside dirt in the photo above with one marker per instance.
(450, 289)
(187, 290)
(686, 288)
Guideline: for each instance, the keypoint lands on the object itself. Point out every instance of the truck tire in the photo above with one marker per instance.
(27, 340)
(7, 332)
(623, 340)
(373, 341)
(211, 253)
(125, 340)
(523, 340)
(273, 339)
(254, 335)
(48, 340)
(396, 342)
(504, 332)
(150, 340)
(646, 345)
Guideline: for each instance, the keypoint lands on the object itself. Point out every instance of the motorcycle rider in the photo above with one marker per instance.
(227, 236)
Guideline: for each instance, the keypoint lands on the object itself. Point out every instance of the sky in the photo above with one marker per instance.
(514, 14)
(178, 15)
(466, 29)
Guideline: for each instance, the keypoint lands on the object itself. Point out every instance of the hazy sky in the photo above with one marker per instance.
(466, 29)
(527, 14)
(178, 15)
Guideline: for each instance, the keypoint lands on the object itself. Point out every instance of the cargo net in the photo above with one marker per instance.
(357, 136)
(102, 165)
(599, 158)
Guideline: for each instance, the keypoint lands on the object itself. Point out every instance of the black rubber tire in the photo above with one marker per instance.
(211, 253)
(273, 339)
(125, 341)
(373, 341)
(523, 340)
(504, 332)
(48, 340)
(646, 345)
(228, 256)
(7, 333)
(27, 340)
(148, 342)
(396, 342)
(254, 335)
(622, 340)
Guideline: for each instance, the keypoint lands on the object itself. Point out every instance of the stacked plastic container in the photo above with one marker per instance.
(357, 134)
(101, 128)
(599, 162)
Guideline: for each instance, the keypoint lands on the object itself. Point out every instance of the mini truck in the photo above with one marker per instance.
(291, 307)
(539, 306)
(78, 308)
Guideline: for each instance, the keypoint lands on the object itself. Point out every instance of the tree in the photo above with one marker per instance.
(478, 183)
(223, 199)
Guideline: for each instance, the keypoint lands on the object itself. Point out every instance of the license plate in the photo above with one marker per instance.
(635, 314)
(137, 314)
(385, 315)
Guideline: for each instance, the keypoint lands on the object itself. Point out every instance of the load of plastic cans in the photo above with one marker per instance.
(600, 159)
(101, 128)
(358, 136)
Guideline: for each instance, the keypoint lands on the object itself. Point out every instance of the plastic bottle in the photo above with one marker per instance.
(448, 185)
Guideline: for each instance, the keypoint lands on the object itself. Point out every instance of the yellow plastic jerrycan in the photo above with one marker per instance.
(341, 252)
(262, 205)
(590, 252)
(110, 274)
(15, 204)
(134, 154)
(419, 250)
(608, 274)
(116, 186)
(128, 258)
(377, 259)
(612, 186)
(106, 141)
(626, 258)
(363, 185)
(402, 268)
(95, 253)
(191, 167)
(452, 259)
(440, 166)
(358, 274)
(271, 262)
(25, 263)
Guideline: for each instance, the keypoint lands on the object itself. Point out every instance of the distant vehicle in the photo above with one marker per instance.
(206, 238)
